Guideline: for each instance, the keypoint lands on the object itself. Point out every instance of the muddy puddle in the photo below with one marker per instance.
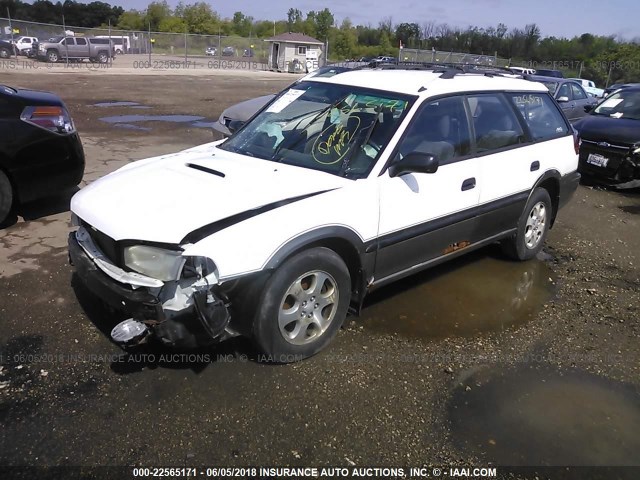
(476, 293)
(135, 105)
(528, 416)
(145, 122)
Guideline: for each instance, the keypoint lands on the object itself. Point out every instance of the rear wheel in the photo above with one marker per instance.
(52, 56)
(532, 227)
(4, 53)
(303, 305)
(6, 197)
(103, 57)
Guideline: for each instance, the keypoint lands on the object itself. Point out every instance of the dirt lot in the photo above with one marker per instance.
(483, 360)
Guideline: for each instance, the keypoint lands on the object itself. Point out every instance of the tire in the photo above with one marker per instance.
(52, 56)
(533, 227)
(6, 197)
(4, 53)
(103, 57)
(316, 285)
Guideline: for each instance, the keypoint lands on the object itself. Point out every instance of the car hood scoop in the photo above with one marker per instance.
(185, 196)
(205, 169)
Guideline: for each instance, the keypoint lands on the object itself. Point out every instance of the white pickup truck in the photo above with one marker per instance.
(589, 86)
(23, 44)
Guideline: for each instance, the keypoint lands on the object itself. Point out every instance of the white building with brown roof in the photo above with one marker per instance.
(295, 52)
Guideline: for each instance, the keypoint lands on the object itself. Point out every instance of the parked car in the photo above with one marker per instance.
(610, 140)
(617, 86)
(331, 172)
(569, 94)
(210, 51)
(23, 44)
(76, 48)
(589, 87)
(549, 73)
(40, 150)
(7, 49)
(382, 59)
(228, 52)
(236, 115)
(522, 70)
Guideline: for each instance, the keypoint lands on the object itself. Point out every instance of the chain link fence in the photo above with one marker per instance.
(145, 42)
(186, 45)
(436, 56)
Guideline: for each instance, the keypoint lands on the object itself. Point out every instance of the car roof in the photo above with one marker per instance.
(430, 82)
(543, 78)
(634, 87)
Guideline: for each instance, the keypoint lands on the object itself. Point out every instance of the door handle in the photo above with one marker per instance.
(468, 184)
(535, 166)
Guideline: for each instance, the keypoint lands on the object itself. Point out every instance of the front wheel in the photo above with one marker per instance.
(52, 56)
(303, 305)
(532, 227)
(6, 197)
(4, 53)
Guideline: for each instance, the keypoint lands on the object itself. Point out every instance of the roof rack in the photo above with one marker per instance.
(448, 70)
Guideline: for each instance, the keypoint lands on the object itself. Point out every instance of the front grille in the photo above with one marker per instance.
(615, 153)
(106, 244)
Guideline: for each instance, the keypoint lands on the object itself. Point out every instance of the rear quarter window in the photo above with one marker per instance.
(541, 115)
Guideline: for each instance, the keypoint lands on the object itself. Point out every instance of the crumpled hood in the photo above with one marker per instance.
(164, 199)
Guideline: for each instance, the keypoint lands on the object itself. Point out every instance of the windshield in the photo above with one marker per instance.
(334, 128)
(55, 39)
(624, 104)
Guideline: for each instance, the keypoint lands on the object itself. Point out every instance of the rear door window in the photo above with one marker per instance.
(578, 92)
(541, 115)
(495, 123)
(81, 41)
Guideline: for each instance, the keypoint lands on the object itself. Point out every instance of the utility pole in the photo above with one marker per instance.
(11, 28)
(64, 27)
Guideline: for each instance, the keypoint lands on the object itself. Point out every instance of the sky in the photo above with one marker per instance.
(555, 18)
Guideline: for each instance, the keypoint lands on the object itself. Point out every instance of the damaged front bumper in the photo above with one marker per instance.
(620, 171)
(186, 313)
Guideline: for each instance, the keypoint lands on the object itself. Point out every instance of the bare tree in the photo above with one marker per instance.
(428, 29)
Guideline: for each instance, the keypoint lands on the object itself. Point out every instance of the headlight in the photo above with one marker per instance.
(154, 262)
(636, 151)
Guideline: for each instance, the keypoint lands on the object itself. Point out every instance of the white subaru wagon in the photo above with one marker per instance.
(338, 186)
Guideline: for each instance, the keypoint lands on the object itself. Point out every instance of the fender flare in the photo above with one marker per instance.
(549, 175)
(360, 263)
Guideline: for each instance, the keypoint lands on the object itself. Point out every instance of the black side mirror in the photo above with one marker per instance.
(414, 163)
(588, 108)
(235, 125)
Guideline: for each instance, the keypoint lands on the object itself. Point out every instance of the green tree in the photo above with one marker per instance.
(324, 22)
(172, 25)
(131, 20)
(294, 19)
(408, 34)
(242, 25)
(156, 12)
(345, 41)
(200, 18)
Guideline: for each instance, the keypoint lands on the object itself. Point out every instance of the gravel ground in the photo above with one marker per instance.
(481, 361)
